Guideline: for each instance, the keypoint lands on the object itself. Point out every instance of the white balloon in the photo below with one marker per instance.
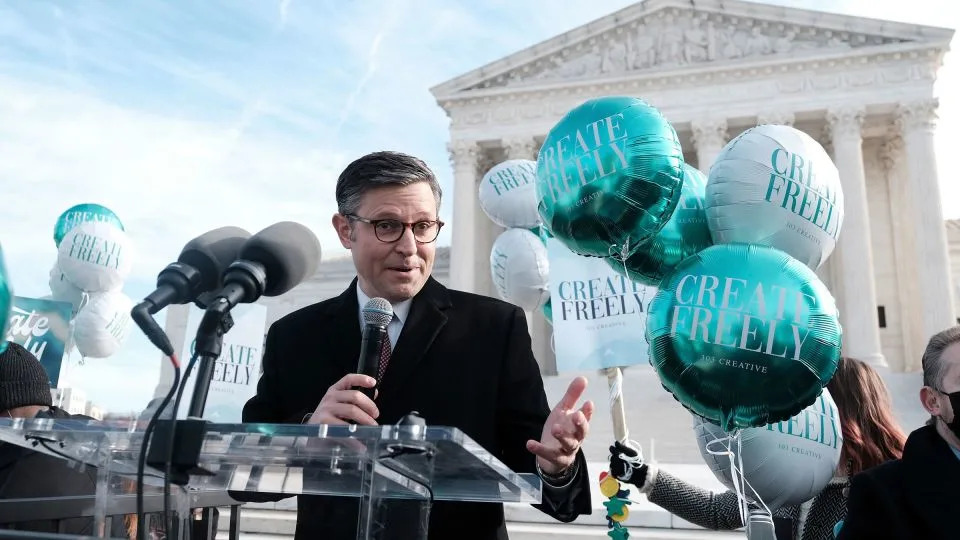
(103, 325)
(63, 291)
(785, 463)
(520, 270)
(508, 194)
(775, 186)
(96, 256)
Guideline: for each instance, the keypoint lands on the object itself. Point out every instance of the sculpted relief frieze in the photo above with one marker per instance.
(674, 38)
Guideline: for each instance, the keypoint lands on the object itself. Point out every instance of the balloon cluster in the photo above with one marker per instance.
(94, 258)
(742, 332)
(518, 259)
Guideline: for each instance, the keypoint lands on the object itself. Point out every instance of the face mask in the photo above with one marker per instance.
(955, 403)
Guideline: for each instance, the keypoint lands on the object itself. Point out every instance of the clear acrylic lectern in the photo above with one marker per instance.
(394, 472)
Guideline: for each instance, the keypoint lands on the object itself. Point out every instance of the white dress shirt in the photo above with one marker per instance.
(400, 312)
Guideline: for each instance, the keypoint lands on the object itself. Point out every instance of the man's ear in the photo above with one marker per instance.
(342, 225)
(930, 399)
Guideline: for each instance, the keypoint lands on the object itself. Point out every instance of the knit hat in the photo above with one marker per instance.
(23, 381)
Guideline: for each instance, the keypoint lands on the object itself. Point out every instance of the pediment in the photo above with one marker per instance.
(662, 35)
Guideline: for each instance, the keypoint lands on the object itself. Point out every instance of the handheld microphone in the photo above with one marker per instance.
(377, 314)
(197, 270)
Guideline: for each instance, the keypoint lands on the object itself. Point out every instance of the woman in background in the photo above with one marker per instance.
(871, 436)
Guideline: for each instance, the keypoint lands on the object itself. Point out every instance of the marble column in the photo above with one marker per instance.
(708, 137)
(854, 255)
(486, 232)
(917, 122)
(782, 118)
(541, 332)
(463, 255)
(828, 272)
(908, 316)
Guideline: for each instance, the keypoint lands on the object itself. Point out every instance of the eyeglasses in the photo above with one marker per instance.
(391, 230)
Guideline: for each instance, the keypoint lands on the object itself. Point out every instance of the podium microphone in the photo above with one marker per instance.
(270, 263)
(377, 315)
(198, 269)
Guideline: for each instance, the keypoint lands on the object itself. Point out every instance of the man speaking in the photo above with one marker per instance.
(457, 358)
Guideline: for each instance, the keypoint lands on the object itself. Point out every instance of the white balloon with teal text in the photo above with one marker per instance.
(508, 194)
(102, 326)
(520, 269)
(776, 186)
(785, 463)
(63, 291)
(96, 257)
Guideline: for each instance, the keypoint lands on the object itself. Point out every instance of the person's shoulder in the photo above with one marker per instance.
(488, 304)
(307, 315)
(885, 474)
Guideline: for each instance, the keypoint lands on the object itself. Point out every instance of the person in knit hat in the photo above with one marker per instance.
(24, 384)
(26, 474)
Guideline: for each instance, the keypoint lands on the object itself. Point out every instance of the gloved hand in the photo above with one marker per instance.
(627, 465)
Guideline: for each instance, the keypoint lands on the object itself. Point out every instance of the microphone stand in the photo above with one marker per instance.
(216, 322)
(189, 434)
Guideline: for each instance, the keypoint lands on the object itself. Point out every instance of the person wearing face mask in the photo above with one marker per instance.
(458, 359)
(918, 495)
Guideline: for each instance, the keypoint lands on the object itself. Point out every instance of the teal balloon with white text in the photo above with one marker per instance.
(6, 302)
(83, 213)
(684, 234)
(609, 176)
(743, 335)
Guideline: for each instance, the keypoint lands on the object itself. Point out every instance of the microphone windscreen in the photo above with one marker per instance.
(377, 312)
(212, 252)
(288, 251)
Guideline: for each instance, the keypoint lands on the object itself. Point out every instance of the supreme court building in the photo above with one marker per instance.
(862, 87)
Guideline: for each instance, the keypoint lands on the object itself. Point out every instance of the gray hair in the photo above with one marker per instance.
(934, 368)
(381, 169)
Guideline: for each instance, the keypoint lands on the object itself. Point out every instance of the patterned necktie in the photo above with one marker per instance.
(385, 351)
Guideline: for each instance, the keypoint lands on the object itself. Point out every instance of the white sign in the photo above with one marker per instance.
(236, 371)
(599, 316)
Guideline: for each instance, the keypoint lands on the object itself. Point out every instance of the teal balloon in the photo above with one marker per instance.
(6, 302)
(743, 335)
(609, 176)
(541, 233)
(548, 311)
(684, 234)
(83, 213)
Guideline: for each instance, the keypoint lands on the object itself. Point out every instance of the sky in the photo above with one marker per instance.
(186, 116)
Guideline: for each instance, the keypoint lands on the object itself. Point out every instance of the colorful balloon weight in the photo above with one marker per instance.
(785, 463)
(684, 234)
(743, 335)
(83, 213)
(609, 176)
(776, 186)
(508, 194)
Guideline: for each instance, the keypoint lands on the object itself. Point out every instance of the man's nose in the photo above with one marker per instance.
(407, 244)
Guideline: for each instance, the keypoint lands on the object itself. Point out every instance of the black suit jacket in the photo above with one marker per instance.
(462, 360)
(917, 496)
